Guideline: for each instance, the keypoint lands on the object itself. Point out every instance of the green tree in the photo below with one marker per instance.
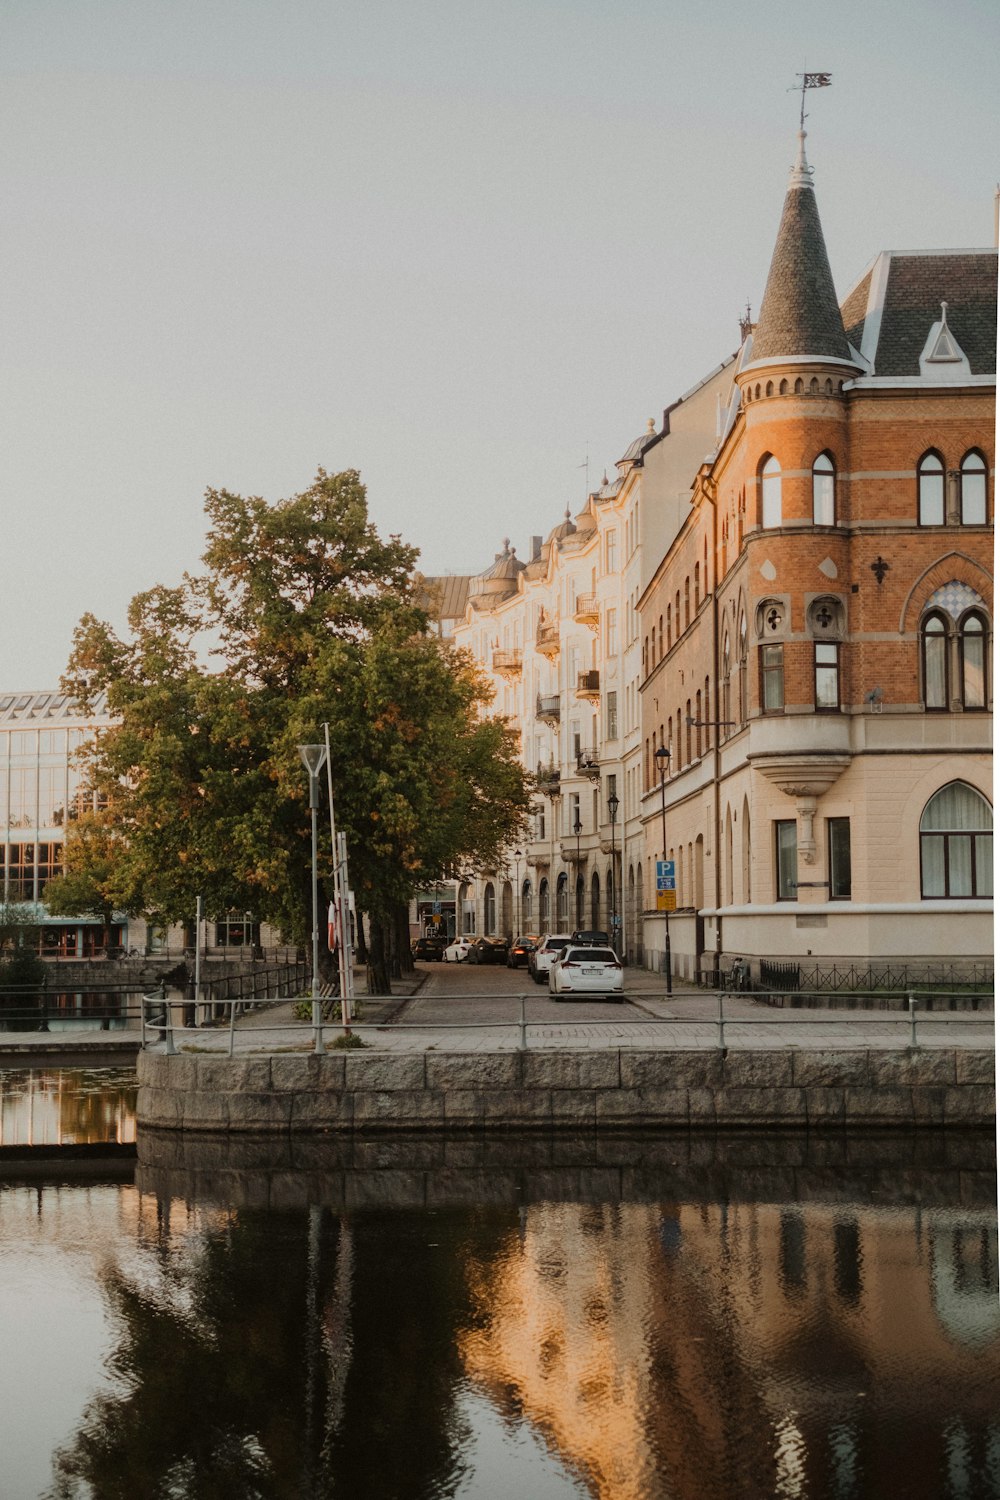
(95, 882)
(313, 620)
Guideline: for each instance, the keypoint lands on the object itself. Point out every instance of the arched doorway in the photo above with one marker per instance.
(543, 906)
(507, 910)
(630, 914)
(526, 907)
(489, 909)
(581, 892)
(562, 902)
(595, 902)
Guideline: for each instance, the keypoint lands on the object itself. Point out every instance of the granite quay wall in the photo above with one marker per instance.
(582, 1090)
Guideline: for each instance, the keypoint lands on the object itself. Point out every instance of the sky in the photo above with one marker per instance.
(464, 248)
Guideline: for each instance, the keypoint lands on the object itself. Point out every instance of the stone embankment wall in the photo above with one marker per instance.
(544, 1090)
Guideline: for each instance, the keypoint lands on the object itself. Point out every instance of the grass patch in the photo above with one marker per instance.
(347, 1042)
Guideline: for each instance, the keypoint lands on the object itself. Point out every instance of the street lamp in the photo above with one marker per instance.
(578, 829)
(314, 759)
(517, 892)
(661, 757)
(613, 806)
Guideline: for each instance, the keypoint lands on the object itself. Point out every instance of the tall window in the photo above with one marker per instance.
(827, 675)
(973, 482)
(727, 667)
(956, 844)
(612, 702)
(838, 834)
(823, 502)
(611, 550)
(489, 909)
(972, 652)
(930, 490)
(770, 486)
(772, 673)
(611, 623)
(543, 906)
(934, 655)
(786, 860)
(744, 710)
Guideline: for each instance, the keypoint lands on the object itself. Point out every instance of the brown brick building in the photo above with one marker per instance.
(817, 639)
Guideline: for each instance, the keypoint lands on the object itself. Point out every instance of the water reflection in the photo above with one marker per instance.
(676, 1342)
(67, 1106)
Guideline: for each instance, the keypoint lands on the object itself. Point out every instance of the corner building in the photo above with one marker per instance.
(816, 638)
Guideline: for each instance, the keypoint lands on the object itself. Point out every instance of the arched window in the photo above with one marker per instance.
(579, 919)
(562, 902)
(956, 844)
(697, 584)
(972, 655)
(670, 626)
(823, 491)
(687, 602)
(595, 902)
(973, 482)
(770, 492)
(526, 906)
(930, 490)
(543, 905)
(661, 635)
(934, 661)
(726, 672)
(489, 908)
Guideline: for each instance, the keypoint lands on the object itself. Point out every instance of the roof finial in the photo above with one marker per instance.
(801, 172)
(811, 81)
(651, 425)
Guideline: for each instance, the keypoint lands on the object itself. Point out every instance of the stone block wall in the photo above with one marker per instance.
(612, 1090)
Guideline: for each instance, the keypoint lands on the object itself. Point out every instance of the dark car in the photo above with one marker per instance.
(488, 950)
(431, 948)
(591, 939)
(520, 948)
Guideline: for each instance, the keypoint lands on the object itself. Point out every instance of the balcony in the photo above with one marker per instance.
(570, 854)
(587, 764)
(547, 779)
(547, 640)
(588, 685)
(547, 707)
(507, 663)
(586, 611)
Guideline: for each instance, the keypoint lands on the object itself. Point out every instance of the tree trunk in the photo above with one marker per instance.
(378, 957)
(403, 950)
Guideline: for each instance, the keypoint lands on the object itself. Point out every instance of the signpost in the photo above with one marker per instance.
(666, 885)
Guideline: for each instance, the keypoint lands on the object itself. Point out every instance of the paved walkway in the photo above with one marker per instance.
(409, 1022)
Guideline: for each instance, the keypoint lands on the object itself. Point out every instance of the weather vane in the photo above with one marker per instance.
(811, 81)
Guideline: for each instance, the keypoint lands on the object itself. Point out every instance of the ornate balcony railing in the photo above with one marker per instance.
(547, 640)
(547, 707)
(588, 685)
(547, 779)
(507, 663)
(587, 764)
(586, 610)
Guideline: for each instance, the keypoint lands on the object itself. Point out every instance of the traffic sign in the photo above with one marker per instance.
(666, 901)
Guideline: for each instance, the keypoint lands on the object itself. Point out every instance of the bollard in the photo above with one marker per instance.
(911, 1001)
(523, 1044)
(722, 1023)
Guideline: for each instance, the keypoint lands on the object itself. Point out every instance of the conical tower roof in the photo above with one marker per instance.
(800, 315)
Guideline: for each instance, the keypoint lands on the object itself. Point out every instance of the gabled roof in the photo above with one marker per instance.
(889, 314)
(800, 315)
(445, 595)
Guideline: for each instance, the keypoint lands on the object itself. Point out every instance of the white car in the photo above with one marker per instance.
(586, 971)
(549, 946)
(458, 951)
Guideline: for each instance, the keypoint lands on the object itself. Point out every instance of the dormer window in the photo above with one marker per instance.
(823, 491)
(930, 490)
(973, 485)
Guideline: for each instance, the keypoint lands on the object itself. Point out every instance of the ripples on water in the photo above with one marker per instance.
(260, 1329)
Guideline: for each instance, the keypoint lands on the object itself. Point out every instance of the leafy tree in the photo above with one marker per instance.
(96, 879)
(314, 620)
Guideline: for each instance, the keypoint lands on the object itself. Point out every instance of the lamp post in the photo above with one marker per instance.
(662, 757)
(517, 893)
(314, 758)
(577, 829)
(613, 806)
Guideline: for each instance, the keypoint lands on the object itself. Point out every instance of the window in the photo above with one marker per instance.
(611, 624)
(973, 484)
(786, 859)
(611, 550)
(727, 667)
(543, 906)
(930, 490)
(934, 659)
(574, 811)
(823, 485)
(612, 703)
(770, 485)
(489, 909)
(772, 672)
(838, 836)
(956, 844)
(972, 652)
(827, 675)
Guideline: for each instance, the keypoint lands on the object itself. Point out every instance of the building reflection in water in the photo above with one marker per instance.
(676, 1349)
(67, 1106)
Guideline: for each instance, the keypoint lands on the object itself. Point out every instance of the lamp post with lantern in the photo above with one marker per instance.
(314, 758)
(613, 806)
(662, 758)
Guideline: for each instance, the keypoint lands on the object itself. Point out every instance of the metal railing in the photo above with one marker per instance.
(158, 1022)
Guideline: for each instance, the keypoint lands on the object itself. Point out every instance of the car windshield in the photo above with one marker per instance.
(590, 956)
(554, 944)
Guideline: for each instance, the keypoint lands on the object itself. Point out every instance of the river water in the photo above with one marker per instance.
(687, 1317)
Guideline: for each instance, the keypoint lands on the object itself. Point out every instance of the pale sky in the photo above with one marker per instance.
(458, 246)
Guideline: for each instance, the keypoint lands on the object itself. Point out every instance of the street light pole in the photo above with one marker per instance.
(313, 758)
(517, 893)
(613, 806)
(577, 829)
(662, 756)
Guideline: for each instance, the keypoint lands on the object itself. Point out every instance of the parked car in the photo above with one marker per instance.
(431, 948)
(458, 951)
(592, 939)
(586, 970)
(488, 950)
(521, 950)
(539, 961)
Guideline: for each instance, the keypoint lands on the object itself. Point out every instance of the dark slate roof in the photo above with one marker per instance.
(444, 596)
(800, 314)
(916, 286)
(853, 309)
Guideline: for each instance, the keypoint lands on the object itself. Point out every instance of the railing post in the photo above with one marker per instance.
(168, 1025)
(722, 1022)
(523, 1044)
(232, 1026)
(911, 1001)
